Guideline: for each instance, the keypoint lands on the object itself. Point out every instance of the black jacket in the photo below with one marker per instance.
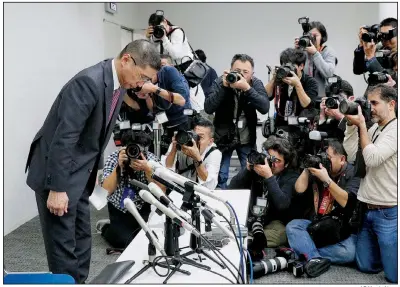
(221, 101)
(359, 66)
(304, 203)
(280, 191)
(334, 129)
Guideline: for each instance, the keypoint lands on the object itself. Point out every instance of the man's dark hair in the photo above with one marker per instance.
(283, 147)
(347, 89)
(337, 147)
(168, 57)
(387, 93)
(321, 28)
(295, 56)
(389, 22)
(243, 58)
(144, 53)
(201, 55)
(202, 122)
(155, 20)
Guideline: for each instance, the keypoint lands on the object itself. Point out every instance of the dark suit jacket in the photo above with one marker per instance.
(66, 151)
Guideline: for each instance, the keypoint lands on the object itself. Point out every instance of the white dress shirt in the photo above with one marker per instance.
(115, 76)
(212, 164)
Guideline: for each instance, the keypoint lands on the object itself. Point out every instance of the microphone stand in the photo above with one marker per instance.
(192, 201)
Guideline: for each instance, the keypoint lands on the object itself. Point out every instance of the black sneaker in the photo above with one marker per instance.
(317, 266)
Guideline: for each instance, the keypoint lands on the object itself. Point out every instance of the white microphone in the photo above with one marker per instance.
(160, 195)
(131, 207)
(317, 136)
(148, 197)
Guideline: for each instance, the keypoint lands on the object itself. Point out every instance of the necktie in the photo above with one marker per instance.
(113, 104)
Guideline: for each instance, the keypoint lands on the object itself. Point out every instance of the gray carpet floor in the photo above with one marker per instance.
(24, 252)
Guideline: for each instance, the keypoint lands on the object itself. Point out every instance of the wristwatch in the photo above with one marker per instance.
(198, 163)
(158, 91)
(327, 183)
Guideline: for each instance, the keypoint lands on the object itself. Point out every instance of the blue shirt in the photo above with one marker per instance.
(171, 80)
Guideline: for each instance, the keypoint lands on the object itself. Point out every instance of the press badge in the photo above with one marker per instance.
(293, 121)
(161, 117)
(128, 193)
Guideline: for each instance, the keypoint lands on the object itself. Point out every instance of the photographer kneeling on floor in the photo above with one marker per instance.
(195, 155)
(333, 188)
(274, 169)
(120, 168)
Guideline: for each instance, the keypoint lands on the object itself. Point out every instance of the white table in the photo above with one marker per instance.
(137, 250)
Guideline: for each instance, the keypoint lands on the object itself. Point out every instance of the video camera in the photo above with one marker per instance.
(307, 38)
(378, 78)
(233, 77)
(185, 138)
(283, 72)
(372, 34)
(332, 91)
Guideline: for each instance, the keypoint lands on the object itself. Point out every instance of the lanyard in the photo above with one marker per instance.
(374, 139)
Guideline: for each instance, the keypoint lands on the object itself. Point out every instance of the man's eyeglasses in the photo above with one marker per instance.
(141, 76)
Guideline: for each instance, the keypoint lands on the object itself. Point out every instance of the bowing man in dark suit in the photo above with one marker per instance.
(65, 153)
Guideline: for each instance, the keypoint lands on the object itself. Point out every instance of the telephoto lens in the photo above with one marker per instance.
(268, 266)
(348, 108)
(133, 151)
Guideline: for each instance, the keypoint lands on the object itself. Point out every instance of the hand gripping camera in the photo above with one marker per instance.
(255, 157)
(233, 77)
(283, 72)
(372, 34)
(313, 161)
(351, 108)
(185, 138)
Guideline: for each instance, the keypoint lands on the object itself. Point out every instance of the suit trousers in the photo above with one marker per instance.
(67, 238)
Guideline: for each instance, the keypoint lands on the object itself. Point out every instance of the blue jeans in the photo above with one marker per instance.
(377, 243)
(242, 152)
(301, 242)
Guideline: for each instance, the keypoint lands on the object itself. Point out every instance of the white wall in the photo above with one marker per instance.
(387, 10)
(45, 45)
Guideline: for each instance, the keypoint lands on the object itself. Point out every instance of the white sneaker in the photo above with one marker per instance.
(101, 223)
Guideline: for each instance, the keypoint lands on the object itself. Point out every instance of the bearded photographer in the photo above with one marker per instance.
(118, 171)
(365, 55)
(235, 97)
(321, 59)
(377, 241)
(331, 120)
(277, 177)
(326, 233)
(199, 159)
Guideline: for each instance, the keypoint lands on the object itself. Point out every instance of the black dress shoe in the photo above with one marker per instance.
(317, 266)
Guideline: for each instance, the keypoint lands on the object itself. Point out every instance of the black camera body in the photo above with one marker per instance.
(158, 31)
(383, 57)
(284, 71)
(313, 161)
(185, 138)
(306, 40)
(351, 108)
(377, 78)
(135, 141)
(233, 77)
(332, 91)
(255, 157)
(372, 34)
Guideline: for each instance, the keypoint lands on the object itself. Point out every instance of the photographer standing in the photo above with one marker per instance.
(118, 171)
(199, 161)
(332, 121)
(277, 177)
(364, 55)
(321, 59)
(333, 193)
(292, 94)
(235, 104)
(377, 240)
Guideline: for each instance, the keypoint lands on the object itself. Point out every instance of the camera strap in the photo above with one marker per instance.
(192, 167)
(374, 139)
(326, 205)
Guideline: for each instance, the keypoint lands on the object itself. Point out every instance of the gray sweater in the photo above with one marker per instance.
(321, 66)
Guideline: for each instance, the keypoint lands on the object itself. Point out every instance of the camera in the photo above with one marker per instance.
(257, 242)
(295, 266)
(383, 57)
(332, 91)
(306, 40)
(313, 161)
(233, 77)
(372, 33)
(158, 31)
(255, 157)
(185, 138)
(284, 71)
(377, 78)
(351, 108)
(389, 35)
